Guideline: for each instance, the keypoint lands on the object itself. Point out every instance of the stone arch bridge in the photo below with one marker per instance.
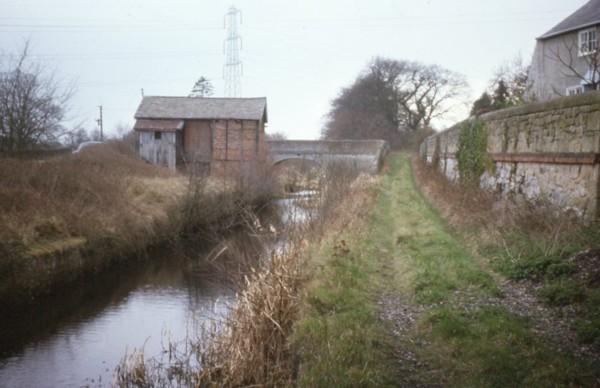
(364, 155)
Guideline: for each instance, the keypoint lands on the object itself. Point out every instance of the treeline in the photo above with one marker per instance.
(399, 100)
(394, 100)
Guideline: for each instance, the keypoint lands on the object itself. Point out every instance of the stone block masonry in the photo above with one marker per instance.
(542, 152)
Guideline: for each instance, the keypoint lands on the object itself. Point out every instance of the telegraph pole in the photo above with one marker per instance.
(232, 71)
(100, 123)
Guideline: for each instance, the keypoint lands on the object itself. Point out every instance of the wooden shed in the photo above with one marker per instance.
(215, 132)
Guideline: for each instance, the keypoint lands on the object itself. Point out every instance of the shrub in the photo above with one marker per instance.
(472, 153)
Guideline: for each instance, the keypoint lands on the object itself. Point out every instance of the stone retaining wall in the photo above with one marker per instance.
(541, 152)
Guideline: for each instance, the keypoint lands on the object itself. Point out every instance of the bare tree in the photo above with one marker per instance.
(275, 136)
(392, 98)
(514, 74)
(32, 104)
(202, 88)
(76, 137)
(422, 92)
(122, 129)
(365, 110)
(508, 87)
(582, 63)
(95, 135)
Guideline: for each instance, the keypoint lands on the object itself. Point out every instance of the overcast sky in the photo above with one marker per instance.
(298, 54)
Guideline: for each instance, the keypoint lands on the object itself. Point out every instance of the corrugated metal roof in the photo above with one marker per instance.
(153, 107)
(586, 16)
(158, 125)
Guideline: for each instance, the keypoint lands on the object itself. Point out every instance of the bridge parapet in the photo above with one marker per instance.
(366, 155)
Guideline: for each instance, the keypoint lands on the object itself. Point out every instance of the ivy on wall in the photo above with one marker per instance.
(472, 155)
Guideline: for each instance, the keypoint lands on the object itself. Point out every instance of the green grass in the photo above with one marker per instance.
(562, 292)
(492, 348)
(341, 341)
(430, 263)
(588, 326)
(406, 248)
(524, 254)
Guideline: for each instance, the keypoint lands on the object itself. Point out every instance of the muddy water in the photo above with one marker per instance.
(78, 339)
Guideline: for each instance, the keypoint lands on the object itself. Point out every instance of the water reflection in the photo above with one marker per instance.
(297, 208)
(161, 301)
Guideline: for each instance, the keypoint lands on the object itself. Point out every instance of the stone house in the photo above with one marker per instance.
(212, 132)
(566, 60)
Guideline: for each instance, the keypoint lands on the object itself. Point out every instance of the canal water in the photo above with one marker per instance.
(78, 339)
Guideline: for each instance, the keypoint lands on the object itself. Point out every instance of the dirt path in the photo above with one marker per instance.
(456, 322)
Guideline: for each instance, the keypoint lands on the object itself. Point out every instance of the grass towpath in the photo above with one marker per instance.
(401, 302)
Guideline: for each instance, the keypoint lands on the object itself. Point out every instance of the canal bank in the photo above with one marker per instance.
(198, 213)
(255, 344)
(77, 336)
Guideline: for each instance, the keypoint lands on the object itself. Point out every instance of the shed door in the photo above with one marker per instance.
(197, 140)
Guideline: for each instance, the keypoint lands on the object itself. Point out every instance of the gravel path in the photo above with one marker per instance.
(402, 316)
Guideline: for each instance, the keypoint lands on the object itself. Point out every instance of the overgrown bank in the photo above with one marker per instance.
(75, 215)
(254, 343)
(551, 258)
(402, 301)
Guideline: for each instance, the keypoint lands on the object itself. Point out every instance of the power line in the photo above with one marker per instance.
(106, 27)
(132, 55)
(232, 72)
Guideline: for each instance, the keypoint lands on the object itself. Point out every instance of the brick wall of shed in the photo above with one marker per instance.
(236, 144)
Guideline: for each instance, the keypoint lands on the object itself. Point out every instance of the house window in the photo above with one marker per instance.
(575, 90)
(157, 135)
(588, 41)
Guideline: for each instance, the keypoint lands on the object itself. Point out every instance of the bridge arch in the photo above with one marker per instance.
(295, 174)
(297, 160)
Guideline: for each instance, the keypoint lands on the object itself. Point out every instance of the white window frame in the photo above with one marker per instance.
(588, 41)
(575, 90)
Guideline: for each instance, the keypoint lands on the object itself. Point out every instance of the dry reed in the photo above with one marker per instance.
(87, 194)
(251, 346)
(467, 208)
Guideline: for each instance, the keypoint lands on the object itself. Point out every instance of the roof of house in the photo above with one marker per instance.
(200, 108)
(586, 16)
(163, 125)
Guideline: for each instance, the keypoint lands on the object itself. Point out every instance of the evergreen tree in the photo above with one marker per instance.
(482, 105)
(202, 88)
(501, 96)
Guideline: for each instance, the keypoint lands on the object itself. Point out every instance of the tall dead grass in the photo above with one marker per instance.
(85, 194)
(247, 347)
(522, 230)
(104, 202)
(88, 210)
(253, 348)
(252, 345)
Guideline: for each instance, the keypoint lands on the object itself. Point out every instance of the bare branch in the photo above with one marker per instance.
(32, 105)
(569, 59)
